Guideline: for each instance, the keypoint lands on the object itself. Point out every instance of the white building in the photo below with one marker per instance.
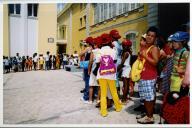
(23, 28)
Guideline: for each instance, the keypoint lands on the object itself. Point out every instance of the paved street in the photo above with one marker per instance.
(53, 97)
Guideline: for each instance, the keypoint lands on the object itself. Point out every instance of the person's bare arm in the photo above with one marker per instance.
(155, 56)
(90, 63)
(186, 79)
(125, 56)
(84, 51)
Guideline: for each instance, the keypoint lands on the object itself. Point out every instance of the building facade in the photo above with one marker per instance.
(29, 29)
(89, 19)
(78, 21)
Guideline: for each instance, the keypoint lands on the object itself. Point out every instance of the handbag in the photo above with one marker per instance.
(84, 64)
(137, 68)
(175, 110)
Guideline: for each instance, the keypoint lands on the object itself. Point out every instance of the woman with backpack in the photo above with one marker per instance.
(106, 74)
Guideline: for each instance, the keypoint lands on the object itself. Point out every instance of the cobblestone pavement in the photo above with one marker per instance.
(53, 97)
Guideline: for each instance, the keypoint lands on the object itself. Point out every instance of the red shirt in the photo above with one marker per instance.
(149, 71)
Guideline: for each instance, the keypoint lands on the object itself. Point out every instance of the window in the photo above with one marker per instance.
(14, 9)
(80, 22)
(96, 13)
(104, 11)
(120, 8)
(35, 10)
(114, 6)
(32, 10)
(110, 10)
(18, 8)
(82, 6)
(85, 20)
(29, 9)
(133, 6)
(132, 36)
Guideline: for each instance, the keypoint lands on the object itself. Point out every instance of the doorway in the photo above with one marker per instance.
(61, 48)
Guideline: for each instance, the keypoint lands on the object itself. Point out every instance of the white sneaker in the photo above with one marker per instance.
(82, 99)
(86, 101)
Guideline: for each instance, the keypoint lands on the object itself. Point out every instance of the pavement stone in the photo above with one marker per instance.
(53, 97)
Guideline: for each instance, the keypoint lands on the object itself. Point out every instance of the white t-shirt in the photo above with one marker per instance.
(75, 55)
(47, 58)
(35, 59)
(106, 50)
(64, 58)
(95, 52)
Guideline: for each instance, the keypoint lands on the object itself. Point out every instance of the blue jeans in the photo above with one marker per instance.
(86, 93)
(64, 63)
(46, 65)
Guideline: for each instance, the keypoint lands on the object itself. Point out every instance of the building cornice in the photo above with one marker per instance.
(67, 6)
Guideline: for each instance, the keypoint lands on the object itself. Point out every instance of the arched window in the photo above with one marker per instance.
(131, 35)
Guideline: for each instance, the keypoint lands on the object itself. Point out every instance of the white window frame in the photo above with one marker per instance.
(14, 8)
(134, 45)
(120, 10)
(105, 11)
(32, 16)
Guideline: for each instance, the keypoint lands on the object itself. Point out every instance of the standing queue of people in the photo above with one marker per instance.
(38, 62)
(164, 70)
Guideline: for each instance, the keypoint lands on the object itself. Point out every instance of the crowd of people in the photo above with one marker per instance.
(165, 68)
(38, 62)
(106, 60)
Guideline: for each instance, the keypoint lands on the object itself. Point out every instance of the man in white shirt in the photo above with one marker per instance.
(47, 67)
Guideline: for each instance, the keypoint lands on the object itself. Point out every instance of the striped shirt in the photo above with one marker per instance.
(183, 60)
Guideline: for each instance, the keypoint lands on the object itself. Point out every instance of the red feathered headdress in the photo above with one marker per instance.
(106, 38)
(89, 40)
(115, 34)
(127, 42)
(98, 40)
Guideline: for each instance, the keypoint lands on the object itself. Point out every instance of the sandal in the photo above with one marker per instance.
(146, 120)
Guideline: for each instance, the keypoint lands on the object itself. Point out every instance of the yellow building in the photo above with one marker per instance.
(5, 31)
(29, 28)
(94, 19)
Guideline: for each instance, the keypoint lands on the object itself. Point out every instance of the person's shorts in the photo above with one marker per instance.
(93, 80)
(147, 89)
(126, 72)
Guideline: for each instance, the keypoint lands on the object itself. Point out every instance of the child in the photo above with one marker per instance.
(126, 68)
(167, 69)
(6, 65)
(92, 64)
(106, 73)
(57, 61)
(35, 61)
(86, 53)
(23, 63)
(30, 63)
(64, 60)
(54, 62)
(118, 47)
(41, 62)
(27, 63)
(179, 60)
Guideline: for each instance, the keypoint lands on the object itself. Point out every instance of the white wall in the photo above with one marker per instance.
(32, 36)
(16, 42)
(23, 33)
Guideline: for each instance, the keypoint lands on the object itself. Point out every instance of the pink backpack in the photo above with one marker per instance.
(107, 65)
